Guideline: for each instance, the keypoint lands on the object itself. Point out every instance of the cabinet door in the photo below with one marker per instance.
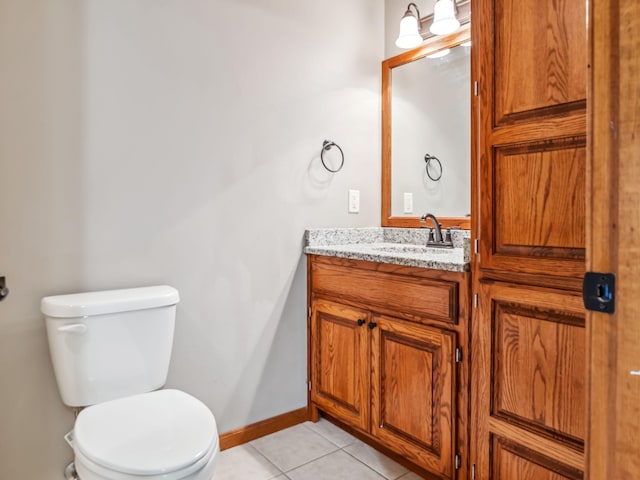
(340, 362)
(413, 392)
(530, 61)
(529, 370)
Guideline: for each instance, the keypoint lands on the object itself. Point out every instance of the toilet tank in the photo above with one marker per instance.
(110, 344)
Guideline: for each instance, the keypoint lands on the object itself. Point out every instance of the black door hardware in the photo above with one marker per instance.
(598, 292)
(361, 322)
(372, 325)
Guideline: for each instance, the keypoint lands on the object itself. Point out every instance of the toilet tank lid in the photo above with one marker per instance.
(108, 301)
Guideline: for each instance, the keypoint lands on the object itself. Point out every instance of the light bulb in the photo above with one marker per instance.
(409, 36)
(444, 18)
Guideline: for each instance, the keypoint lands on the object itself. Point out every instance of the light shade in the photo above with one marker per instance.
(444, 18)
(440, 53)
(409, 36)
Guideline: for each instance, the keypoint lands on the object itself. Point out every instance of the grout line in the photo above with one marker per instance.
(323, 436)
(337, 449)
(280, 472)
(344, 451)
(311, 461)
(371, 468)
(327, 438)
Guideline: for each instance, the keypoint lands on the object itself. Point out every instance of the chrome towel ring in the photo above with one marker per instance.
(326, 146)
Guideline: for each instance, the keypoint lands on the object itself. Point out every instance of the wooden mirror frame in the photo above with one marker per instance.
(430, 46)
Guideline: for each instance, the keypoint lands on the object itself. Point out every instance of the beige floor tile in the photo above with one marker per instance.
(293, 447)
(243, 463)
(376, 460)
(332, 433)
(336, 466)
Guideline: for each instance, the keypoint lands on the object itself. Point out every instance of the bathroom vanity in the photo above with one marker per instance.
(388, 333)
(389, 327)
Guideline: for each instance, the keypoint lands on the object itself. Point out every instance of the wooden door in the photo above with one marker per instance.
(340, 377)
(413, 392)
(614, 238)
(530, 61)
(529, 395)
(528, 355)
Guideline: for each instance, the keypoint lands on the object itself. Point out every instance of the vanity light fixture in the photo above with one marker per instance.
(440, 53)
(444, 23)
(409, 36)
(444, 18)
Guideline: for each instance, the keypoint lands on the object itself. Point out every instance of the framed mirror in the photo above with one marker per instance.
(426, 138)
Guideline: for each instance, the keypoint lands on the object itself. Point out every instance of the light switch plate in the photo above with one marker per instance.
(354, 201)
(408, 202)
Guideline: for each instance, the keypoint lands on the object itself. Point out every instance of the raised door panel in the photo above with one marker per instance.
(413, 396)
(340, 362)
(539, 199)
(512, 461)
(538, 369)
(534, 220)
(540, 58)
(529, 366)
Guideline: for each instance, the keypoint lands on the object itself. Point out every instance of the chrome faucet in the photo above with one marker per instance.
(437, 239)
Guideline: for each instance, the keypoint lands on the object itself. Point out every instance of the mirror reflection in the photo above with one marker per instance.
(430, 135)
(426, 133)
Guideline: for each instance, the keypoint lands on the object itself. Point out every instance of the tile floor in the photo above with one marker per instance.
(309, 451)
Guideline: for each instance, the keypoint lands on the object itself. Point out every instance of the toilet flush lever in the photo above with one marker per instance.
(78, 328)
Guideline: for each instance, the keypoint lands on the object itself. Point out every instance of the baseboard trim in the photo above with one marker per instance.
(263, 427)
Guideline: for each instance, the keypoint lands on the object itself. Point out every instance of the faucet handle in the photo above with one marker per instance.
(431, 238)
(447, 236)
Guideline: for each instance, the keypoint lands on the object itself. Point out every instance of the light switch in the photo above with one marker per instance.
(354, 201)
(408, 202)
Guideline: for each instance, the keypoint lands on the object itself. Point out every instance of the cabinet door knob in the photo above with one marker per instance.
(372, 325)
(361, 322)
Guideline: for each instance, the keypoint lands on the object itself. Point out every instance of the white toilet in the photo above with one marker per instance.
(110, 352)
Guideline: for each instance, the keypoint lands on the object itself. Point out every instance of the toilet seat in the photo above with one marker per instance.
(201, 470)
(166, 434)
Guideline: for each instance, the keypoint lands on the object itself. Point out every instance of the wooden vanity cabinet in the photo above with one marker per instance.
(388, 356)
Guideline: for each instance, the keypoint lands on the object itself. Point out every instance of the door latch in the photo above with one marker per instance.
(598, 292)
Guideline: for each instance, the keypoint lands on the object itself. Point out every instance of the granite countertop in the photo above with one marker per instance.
(399, 246)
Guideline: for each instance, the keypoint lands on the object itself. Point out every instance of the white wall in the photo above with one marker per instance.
(177, 141)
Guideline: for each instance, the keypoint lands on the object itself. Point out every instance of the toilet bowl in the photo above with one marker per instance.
(110, 352)
(161, 435)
